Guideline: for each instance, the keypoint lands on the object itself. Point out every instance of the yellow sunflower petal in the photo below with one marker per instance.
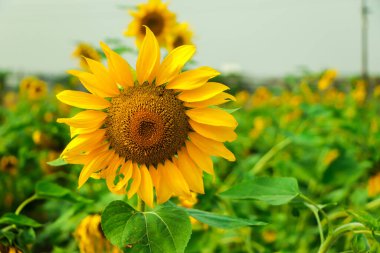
(136, 181)
(91, 83)
(192, 79)
(119, 68)
(94, 165)
(83, 100)
(102, 173)
(84, 119)
(103, 76)
(176, 181)
(126, 170)
(78, 159)
(84, 142)
(173, 63)
(201, 159)
(163, 191)
(154, 175)
(211, 147)
(211, 116)
(88, 156)
(191, 173)
(112, 174)
(146, 186)
(204, 92)
(219, 99)
(74, 131)
(216, 133)
(149, 58)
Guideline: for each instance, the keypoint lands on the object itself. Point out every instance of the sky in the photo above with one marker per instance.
(263, 38)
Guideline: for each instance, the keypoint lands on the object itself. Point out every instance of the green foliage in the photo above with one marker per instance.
(18, 220)
(47, 189)
(304, 157)
(57, 162)
(274, 191)
(164, 229)
(221, 221)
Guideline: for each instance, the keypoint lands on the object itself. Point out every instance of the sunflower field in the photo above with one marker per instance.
(141, 148)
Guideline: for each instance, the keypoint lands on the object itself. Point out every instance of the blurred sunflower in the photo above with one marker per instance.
(9, 249)
(181, 35)
(33, 88)
(9, 164)
(327, 79)
(374, 185)
(259, 124)
(90, 237)
(10, 100)
(154, 15)
(359, 93)
(188, 202)
(157, 130)
(85, 50)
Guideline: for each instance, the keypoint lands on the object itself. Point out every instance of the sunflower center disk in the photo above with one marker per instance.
(154, 21)
(147, 124)
(179, 41)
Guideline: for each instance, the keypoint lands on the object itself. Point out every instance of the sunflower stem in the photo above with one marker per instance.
(26, 202)
(331, 238)
(260, 165)
(311, 202)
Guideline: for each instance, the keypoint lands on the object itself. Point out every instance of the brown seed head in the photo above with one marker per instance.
(147, 124)
(154, 21)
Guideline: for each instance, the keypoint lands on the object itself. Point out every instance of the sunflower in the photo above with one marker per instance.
(87, 51)
(327, 79)
(374, 185)
(9, 249)
(90, 236)
(9, 164)
(181, 35)
(156, 16)
(33, 88)
(158, 131)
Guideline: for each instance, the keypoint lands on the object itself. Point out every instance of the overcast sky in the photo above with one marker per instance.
(261, 37)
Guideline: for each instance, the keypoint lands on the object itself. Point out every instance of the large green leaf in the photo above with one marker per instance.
(221, 221)
(47, 189)
(18, 220)
(164, 229)
(274, 191)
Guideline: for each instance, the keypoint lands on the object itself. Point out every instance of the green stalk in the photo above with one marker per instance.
(320, 228)
(260, 165)
(332, 237)
(26, 202)
(311, 202)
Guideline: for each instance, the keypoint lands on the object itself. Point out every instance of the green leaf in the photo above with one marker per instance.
(221, 221)
(57, 162)
(27, 236)
(18, 220)
(360, 244)
(230, 110)
(47, 189)
(164, 229)
(365, 218)
(10, 236)
(274, 191)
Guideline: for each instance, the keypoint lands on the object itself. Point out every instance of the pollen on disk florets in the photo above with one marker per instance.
(147, 124)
